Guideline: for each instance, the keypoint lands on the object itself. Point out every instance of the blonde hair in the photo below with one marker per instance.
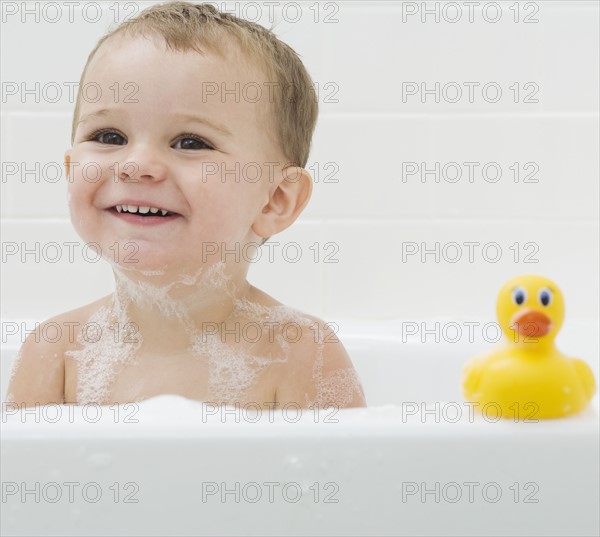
(186, 26)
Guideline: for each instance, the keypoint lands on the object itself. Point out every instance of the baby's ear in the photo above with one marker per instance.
(68, 162)
(286, 201)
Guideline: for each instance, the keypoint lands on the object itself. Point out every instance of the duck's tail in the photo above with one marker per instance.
(586, 376)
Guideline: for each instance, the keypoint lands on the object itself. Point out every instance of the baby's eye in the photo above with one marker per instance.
(191, 142)
(108, 137)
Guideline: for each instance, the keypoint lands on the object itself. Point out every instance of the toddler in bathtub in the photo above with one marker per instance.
(187, 157)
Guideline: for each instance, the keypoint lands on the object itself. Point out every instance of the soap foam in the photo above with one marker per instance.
(337, 387)
(233, 369)
(98, 360)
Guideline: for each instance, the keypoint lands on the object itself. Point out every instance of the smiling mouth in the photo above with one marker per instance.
(143, 217)
(142, 211)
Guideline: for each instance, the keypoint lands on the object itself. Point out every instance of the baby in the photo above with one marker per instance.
(190, 136)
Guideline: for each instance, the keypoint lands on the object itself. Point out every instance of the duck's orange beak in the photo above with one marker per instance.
(531, 323)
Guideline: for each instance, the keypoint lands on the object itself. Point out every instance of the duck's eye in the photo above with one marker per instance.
(519, 296)
(545, 296)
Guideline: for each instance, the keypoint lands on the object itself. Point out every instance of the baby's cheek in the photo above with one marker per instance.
(220, 226)
(74, 201)
(224, 212)
(220, 236)
(80, 220)
(82, 217)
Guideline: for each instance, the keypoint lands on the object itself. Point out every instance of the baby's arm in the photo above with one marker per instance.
(320, 374)
(38, 375)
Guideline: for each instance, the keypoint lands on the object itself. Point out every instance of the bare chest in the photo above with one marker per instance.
(230, 377)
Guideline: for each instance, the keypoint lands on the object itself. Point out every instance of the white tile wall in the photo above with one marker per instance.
(371, 53)
(386, 283)
(365, 205)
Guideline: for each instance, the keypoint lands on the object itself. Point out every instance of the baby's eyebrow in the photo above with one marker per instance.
(190, 117)
(85, 117)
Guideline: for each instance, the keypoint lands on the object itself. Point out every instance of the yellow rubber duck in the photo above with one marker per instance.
(529, 378)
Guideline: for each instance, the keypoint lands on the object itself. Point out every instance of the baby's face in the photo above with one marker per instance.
(159, 134)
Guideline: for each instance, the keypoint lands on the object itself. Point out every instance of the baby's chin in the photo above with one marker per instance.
(152, 266)
(142, 271)
(156, 270)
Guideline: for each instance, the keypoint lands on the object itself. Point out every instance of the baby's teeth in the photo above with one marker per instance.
(141, 210)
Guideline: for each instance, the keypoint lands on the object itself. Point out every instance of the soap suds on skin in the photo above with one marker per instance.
(233, 370)
(98, 360)
(336, 387)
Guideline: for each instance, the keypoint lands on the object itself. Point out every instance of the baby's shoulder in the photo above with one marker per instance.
(316, 369)
(38, 370)
(61, 332)
(305, 336)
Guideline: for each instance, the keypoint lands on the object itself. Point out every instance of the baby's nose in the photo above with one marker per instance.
(142, 164)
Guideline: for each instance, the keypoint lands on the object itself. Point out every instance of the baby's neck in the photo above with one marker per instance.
(167, 315)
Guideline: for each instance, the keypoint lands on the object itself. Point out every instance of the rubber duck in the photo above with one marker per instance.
(528, 377)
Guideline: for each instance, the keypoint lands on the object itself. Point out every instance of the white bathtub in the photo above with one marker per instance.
(170, 466)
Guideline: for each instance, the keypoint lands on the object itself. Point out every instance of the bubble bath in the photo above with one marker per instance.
(402, 461)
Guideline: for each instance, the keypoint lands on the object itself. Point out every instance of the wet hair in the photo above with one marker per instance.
(184, 26)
